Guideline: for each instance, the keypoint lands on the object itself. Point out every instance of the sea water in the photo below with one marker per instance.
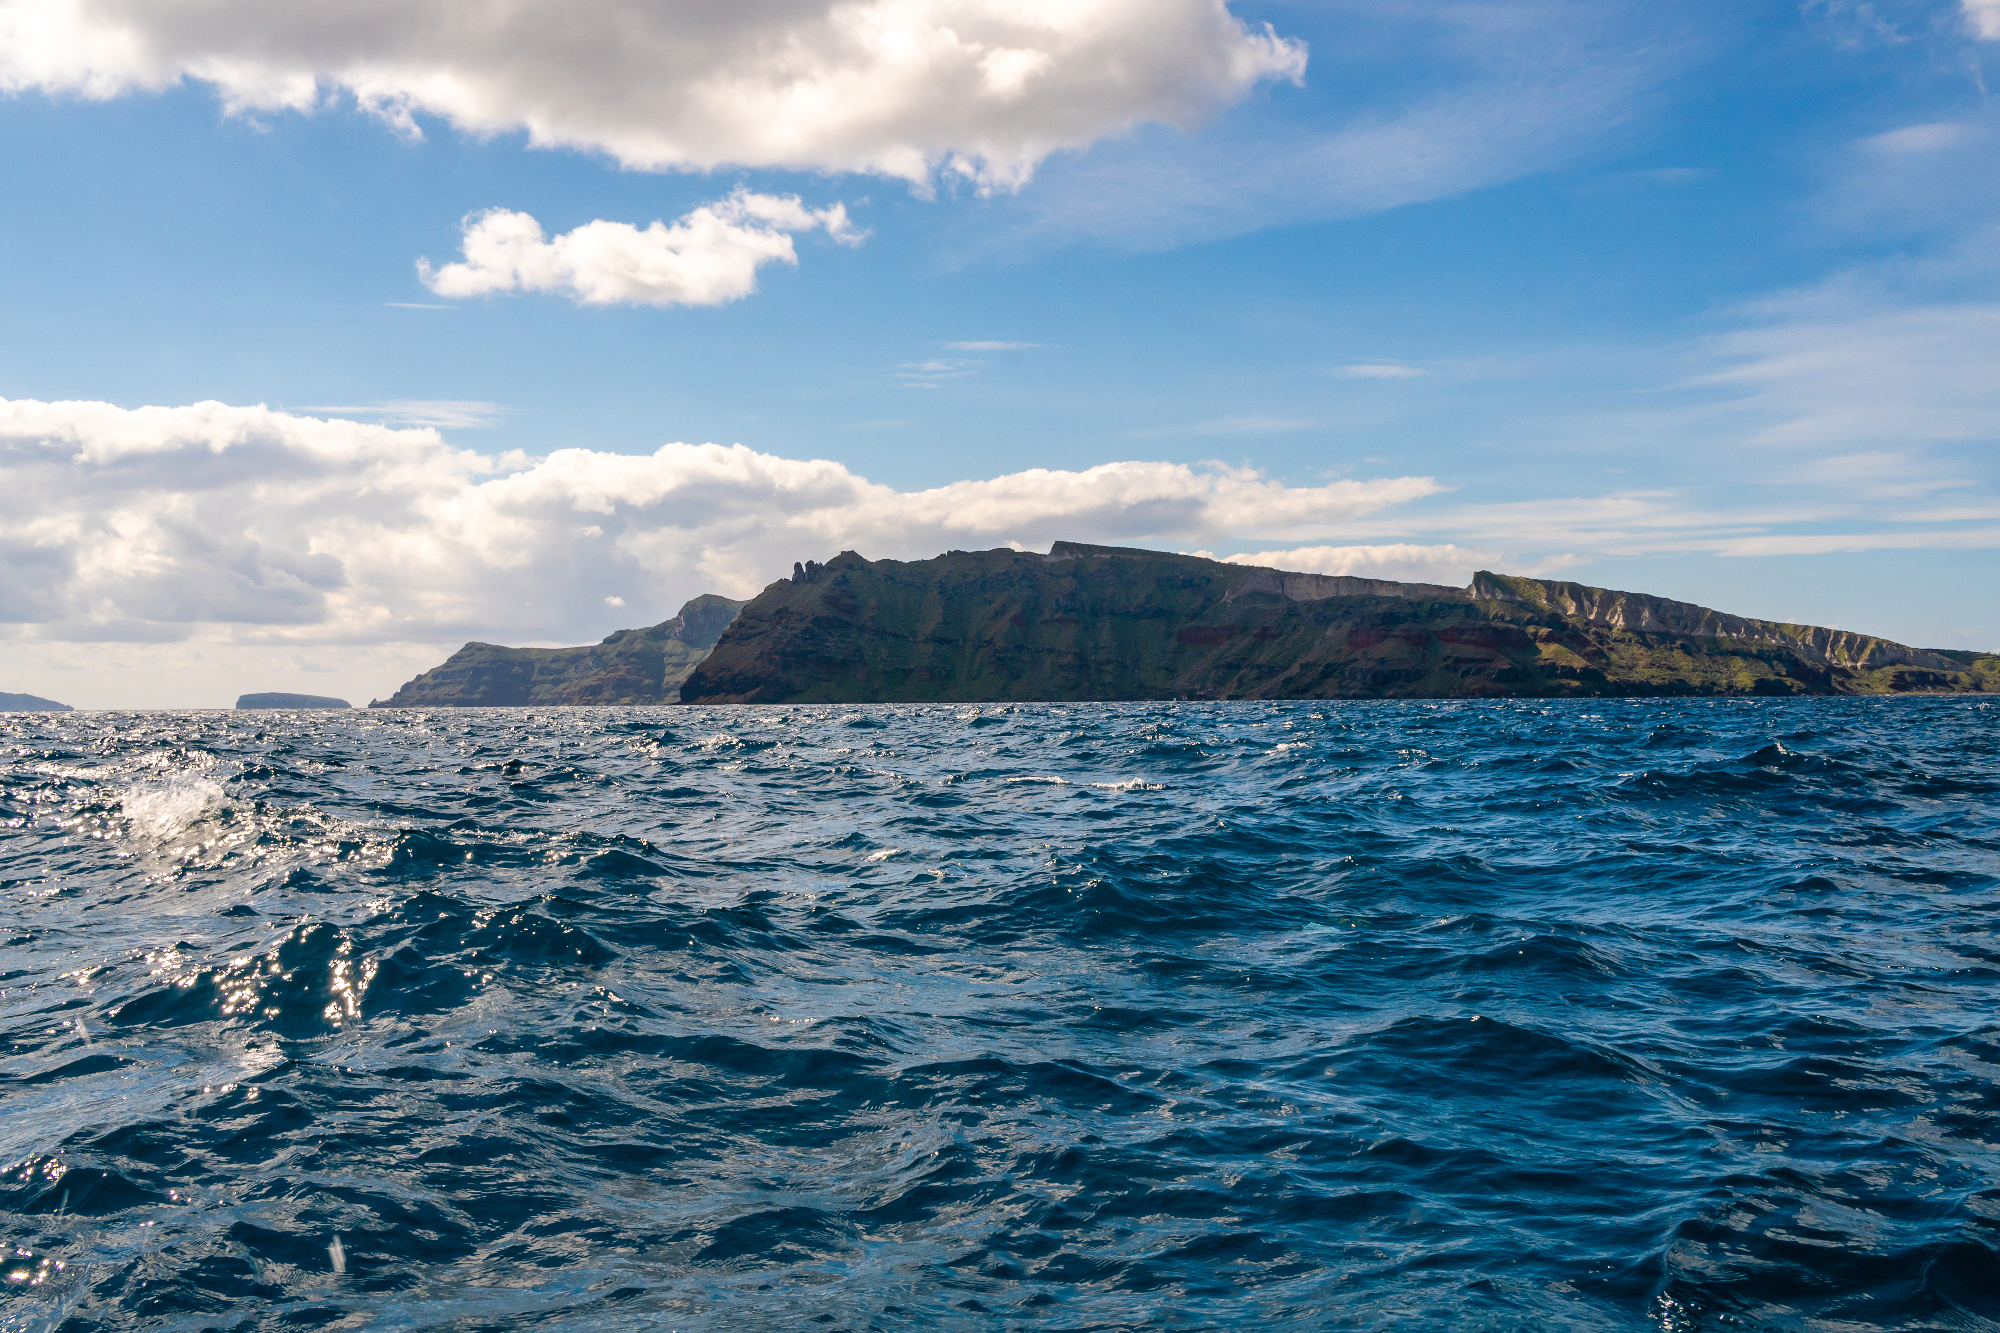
(1428, 1015)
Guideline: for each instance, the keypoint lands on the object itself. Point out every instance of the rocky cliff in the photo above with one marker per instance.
(633, 666)
(1092, 622)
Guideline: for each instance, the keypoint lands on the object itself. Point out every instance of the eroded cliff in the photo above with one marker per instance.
(1090, 622)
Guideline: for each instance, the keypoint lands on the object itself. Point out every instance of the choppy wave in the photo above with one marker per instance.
(1609, 1015)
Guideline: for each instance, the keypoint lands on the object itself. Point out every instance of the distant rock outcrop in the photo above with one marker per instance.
(30, 703)
(291, 701)
(633, 666)
(1096, 622)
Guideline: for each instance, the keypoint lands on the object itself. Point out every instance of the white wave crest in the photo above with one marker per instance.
(161, 810)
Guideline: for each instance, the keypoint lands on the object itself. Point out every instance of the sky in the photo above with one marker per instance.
(337, 336)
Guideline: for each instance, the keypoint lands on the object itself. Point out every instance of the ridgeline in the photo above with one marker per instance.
(30, 703)
(632, 666)
(282, 700)
(1096, 622)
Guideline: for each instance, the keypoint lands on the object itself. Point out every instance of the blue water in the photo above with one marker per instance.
(1585, 1016)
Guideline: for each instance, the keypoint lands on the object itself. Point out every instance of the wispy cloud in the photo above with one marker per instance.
(441, 413)
(1225, 426)
(1532, 85)
(930, 374)
(1377, 370)
(1823, 370)
(1930, 138)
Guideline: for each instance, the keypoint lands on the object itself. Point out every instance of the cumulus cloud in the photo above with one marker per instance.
(1985, 18)
(897, 87)
(149, 523)
(709, 257)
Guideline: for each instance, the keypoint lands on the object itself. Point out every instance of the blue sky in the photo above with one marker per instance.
(1696, 299)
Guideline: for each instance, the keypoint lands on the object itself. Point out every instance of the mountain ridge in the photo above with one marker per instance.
(1098, 622)
(628, 666)
(30, 703)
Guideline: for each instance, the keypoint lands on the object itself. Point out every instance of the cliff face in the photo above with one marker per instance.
(1088, 622)
(633, 666)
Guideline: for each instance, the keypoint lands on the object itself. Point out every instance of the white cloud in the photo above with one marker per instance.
(1985, 18)
(709, 257)
(161, 523)
(897, 87)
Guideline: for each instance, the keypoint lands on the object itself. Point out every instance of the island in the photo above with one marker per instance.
(1104, 623)
(291, 701)
(30, 703)
(632, 666)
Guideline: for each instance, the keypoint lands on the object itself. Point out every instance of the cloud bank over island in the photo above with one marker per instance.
(194, 540)
(143, 525)
(977, 89)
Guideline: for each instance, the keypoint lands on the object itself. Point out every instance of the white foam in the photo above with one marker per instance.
(163, 809)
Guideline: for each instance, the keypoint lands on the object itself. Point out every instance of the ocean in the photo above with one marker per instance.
(1594, 1015)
